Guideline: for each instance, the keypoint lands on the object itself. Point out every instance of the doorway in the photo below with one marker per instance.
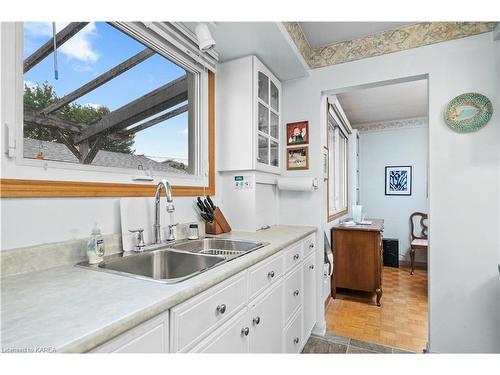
(388, 177)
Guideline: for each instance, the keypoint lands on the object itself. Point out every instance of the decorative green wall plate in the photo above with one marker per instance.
(468, 112)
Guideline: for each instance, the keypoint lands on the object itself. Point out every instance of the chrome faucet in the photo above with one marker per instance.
(170, 208)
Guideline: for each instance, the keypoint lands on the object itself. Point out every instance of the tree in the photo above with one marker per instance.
(39, 97)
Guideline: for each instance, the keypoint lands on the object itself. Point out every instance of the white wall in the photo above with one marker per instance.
(378, 149)
(464, 290)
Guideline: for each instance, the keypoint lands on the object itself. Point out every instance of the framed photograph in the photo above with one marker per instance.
(398, 180)
(297, 158)
(297, 133)
(325, 163)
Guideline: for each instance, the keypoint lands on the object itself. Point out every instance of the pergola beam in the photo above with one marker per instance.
(61, 37)
(99, 81)
(34, 119)
(164, 97)
(155, 120)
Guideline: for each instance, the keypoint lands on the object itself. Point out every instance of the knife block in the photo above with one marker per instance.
(219, 225)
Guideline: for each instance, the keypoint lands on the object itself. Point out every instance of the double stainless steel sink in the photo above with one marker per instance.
(177, 261)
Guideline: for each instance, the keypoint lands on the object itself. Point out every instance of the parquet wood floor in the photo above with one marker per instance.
(400, 322)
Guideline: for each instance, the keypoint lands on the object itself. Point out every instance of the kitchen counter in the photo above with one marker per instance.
(70, 309)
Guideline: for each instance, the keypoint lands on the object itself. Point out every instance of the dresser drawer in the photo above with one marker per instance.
(293, 334)
(293, 292)
(309, 244)
(293, 256)
(265, 274)
(194, 319)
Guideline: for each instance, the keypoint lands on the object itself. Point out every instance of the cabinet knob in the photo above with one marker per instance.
(296, 257)
(245, 331)
(256, 320)
(270, 274)
(311, 246)
(296, 340)
(311, 267)
(296, 293)
(221, 309)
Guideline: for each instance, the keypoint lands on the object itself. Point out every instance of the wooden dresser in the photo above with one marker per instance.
(357, 257)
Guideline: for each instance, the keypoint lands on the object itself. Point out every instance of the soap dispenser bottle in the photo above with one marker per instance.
(95, 246)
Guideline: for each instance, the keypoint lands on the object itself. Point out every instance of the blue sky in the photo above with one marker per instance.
(95, 49)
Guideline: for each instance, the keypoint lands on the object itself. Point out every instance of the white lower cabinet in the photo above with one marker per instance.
(232, 337)
(293, 334)
(268, 308)
(149, 337)
(266, 318)
(309, 295)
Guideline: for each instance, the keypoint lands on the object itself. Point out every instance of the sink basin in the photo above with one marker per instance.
(176, 263)
(230, 249)
(165, 265)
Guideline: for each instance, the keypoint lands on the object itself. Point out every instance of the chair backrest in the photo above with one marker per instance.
(418, 231)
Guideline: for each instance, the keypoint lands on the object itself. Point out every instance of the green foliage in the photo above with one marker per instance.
(39, 97)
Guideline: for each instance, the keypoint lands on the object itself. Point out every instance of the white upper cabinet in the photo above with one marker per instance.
(248, 116)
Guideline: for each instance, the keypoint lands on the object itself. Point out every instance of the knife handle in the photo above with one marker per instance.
(212, 205)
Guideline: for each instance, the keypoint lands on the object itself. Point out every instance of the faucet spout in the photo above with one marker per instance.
(162, 185)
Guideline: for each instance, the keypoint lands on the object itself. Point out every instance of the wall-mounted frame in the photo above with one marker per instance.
(297, 158)
(398, 180)
(297, 133)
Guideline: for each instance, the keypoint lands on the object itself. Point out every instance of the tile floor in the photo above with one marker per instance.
(400, 322)
(332, 344)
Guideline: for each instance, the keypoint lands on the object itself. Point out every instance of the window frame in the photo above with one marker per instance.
(338, 128)
(35, 178)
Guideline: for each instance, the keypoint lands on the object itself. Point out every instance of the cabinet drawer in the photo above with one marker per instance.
(148, 337)
(229, 338)
(309, 244)
(293, 333)
(194, 319)
(265, 274)
(293, 292)
(293, 256)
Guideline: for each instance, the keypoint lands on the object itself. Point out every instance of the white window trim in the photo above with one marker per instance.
(337, 126)
(15, 166)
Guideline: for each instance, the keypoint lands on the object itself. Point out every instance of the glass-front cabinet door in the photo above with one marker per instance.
(268, 121)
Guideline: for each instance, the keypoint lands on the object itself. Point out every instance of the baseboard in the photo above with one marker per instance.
(418, 265)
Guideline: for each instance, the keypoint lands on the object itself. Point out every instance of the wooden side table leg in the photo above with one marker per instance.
(379, 295)
(412, 260)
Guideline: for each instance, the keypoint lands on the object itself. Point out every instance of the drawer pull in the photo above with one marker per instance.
(256, 320)
(296, 257)
(296, 340)
(296, 293)
(221, 309)
(270, 274)
(245, 331)
(311, 267)
(311, 246)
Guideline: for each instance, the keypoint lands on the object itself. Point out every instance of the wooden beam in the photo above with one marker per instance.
(164, 97)
(155, 121)
(35, 119)
(92, 152)
(61, 37)
(99, 81)
(69, 144)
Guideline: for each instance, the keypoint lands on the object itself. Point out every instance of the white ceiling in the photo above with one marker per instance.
(322, 33)
(385, 103)
(264, 39)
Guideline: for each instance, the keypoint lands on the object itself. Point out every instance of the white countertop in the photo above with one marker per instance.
(71, 309)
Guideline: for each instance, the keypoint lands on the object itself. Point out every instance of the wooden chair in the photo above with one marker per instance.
(418, 240)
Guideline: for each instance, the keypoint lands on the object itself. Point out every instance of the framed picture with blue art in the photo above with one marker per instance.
(398, 180)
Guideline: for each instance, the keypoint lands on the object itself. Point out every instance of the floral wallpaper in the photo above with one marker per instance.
(411, 36)
(415, 122)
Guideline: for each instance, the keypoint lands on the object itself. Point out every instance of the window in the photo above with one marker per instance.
(268, 123)
(115, 102)
(337, 166)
